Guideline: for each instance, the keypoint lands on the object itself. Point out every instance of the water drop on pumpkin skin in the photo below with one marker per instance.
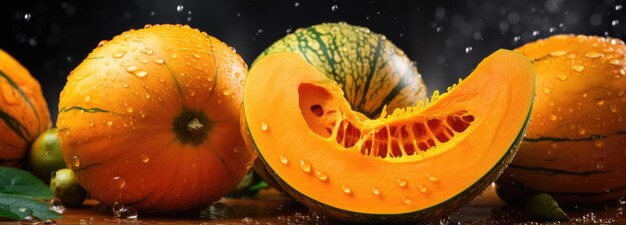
(264, 126)
(75, 162)
(613, 108)
(546, 90)
(102, 43)
(406, 200)
(422, 188)
(87, 98)
(558, 53)
(577, 68)
(159, 61)
(305, 166)
(376, 191)
(401, 182)
(615, 62)
(581, 131)
(119, 182)
(129, 109)
(598, 143)
(346, 190)
(431, 178)
(321, 176)
(600, 102)
(593, 55)
(144, 158)
(283, 160)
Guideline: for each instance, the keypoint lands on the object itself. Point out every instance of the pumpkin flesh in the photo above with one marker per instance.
(359, 166)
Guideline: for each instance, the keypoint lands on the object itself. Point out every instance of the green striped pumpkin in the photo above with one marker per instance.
(23, 111)
(371, 70)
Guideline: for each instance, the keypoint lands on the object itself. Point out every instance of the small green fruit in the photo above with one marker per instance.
(45, 155)
(543, 207)
(65, 187)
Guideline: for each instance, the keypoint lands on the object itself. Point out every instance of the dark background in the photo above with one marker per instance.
(446, 39)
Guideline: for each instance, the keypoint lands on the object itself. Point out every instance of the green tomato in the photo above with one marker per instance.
(45, 155)
(65, 187)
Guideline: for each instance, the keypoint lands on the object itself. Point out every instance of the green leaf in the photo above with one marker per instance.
(20, 182)
(17, 207)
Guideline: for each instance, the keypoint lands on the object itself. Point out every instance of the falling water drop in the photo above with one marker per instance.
(179, 8)
(614, 22)
(334, 8)
(27, 16)
(468, 49)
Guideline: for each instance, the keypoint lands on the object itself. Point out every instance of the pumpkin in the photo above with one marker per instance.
(574, 150)
(371, 70)
(416, 163)
(150, 119)
(23, 111)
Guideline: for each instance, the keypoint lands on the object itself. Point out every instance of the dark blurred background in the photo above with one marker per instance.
(446, 39)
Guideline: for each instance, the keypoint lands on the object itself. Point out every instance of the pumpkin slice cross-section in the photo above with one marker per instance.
(415, 163)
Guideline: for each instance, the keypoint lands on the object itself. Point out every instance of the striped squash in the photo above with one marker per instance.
(574, 150)
(371, 70)
(23, 111)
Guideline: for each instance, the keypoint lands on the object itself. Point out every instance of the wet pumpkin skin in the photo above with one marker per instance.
(150, 119)
(574, 149)
(23, 111)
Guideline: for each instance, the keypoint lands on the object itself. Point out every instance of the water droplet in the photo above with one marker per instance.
(376, 191)
(226, 92)
(577, 68)
(118, 55)
(346, 190)
(618, 7)
(27, 16)
(546, 90)
(581, 131)
(321, 176)
(406, 200)
(129, 109)
(144, 158)
(535, 33)
(593, 55)
(553, 117)
(125, 85)
(558, 53)
(196, 56)
(124, 212)
(600, 102)
(468, 49)
(247, 220)
(179, 8)
(119, 182)
(517, 38)
(174, 56)
(334, 8)
(561, 76)
(31, 220)
(264, 126)
(75, 161)
(305, 166)
(56, 205)
(401, 182)
(613, 108)
(87, 98)
(296, 4)
(284, 160)
(102, 43)
(614, 22)
(598, 143)
(422, 188)
(615, 62)
(131, 68)
(159, 61)
(140, 73)
(431, 178)
(25, 211)
(599, 165)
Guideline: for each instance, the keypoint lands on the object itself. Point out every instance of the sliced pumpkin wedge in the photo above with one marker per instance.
(419, 162)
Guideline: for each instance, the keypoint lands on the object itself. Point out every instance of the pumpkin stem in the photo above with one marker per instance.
(194, 126)
(191, 127)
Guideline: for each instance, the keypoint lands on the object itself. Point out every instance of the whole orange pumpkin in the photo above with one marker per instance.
(150, 119)
(23, 111)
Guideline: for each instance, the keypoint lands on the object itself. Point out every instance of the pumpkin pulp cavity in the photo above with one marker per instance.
(191, 127)
(382, 137)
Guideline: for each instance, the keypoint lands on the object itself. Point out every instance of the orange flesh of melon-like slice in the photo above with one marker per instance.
(305, 132)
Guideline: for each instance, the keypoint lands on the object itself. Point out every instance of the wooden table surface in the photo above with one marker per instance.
(270, 207)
